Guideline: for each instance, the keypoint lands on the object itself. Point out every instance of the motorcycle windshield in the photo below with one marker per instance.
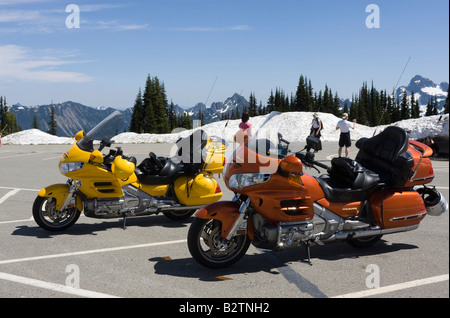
(103, 131)
(261, 152)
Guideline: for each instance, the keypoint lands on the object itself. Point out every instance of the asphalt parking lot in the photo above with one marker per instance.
(98, 258)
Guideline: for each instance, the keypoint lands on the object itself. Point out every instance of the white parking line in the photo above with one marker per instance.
(21, 189)
(8, 195)
(53, 287)
(103, 250)
(51, 158)
(17, 221)
(396, 287)
(21, 155)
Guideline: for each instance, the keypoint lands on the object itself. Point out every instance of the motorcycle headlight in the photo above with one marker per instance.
(242, 180)
(67, 167)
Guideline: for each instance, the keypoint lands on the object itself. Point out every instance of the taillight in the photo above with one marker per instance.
(218, 190)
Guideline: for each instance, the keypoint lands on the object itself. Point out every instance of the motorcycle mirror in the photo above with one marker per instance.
(79, 135)
(96, 156)
(291, 164)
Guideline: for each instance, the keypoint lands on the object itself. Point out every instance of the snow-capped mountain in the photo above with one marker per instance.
(70, 116)
(214, 112)
(424, 89)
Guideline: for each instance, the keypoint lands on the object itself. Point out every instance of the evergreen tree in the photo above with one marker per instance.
(8, 122)
(336, 110)
(301, 96)
(346, 109)
(252, 109)
(171, 116)
(404, 107)
(435, 106)
(415, 109)
(160, 107)
(396, 113)
(136, 124)
(429, 111)
(52, 124)
(384, 109)
(363, 106)
(149, 124)
(271, 103)
(3, 111)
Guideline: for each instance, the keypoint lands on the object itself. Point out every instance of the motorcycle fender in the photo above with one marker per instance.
(57, 191)
(226, 212)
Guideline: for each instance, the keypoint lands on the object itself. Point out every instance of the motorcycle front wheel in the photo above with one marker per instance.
(47, 217)
(208, 248)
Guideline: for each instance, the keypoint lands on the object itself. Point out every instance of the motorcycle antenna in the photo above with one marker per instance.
(395, 88)
(214, 84)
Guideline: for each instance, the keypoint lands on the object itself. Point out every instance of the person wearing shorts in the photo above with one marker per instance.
(344, 138)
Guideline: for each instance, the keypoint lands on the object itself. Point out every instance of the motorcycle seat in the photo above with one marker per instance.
(341, 189)
(151, 179)
(150, 174)
(171, 169)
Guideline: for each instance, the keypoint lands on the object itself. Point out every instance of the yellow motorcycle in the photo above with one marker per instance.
(113, 185)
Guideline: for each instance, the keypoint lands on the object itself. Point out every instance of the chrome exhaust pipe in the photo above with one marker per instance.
(373, 231)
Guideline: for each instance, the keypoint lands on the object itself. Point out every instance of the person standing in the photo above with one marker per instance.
(344, 138)
(316, 128)
(245, 129)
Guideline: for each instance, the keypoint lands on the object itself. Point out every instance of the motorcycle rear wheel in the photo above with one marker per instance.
(47, 217)
(361, 242)
(208, 248)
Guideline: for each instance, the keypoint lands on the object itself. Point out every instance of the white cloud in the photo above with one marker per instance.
(211, 29)
(16, 63)
(16, 2)
(18, 15)
(119, 26)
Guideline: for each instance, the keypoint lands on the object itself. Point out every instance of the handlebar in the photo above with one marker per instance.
(308, 160)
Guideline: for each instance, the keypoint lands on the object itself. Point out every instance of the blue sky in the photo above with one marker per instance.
(247, 45)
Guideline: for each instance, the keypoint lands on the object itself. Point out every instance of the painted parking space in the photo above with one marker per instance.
(150, 258)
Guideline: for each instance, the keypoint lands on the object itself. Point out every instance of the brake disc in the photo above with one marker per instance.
(219, 245)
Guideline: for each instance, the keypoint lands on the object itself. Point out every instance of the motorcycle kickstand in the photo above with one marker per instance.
(124, 223)
(308, 253)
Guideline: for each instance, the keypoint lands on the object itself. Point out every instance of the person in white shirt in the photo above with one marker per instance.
(344, 138)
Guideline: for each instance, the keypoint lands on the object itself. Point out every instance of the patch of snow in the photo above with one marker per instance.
(294, 126)
(434, 91)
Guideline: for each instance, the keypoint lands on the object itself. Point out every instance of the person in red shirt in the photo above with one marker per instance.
(245, 129)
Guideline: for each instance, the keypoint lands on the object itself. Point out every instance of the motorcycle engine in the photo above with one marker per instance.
(285, 234)
(133, 201)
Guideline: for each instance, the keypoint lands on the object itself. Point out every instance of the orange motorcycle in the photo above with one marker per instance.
(277, 205)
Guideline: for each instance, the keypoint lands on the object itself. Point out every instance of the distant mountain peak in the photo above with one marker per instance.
(424, 89)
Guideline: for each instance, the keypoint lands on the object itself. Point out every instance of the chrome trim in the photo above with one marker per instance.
(403, 218)
(369, 232)
(70, 196)
(241, 222)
